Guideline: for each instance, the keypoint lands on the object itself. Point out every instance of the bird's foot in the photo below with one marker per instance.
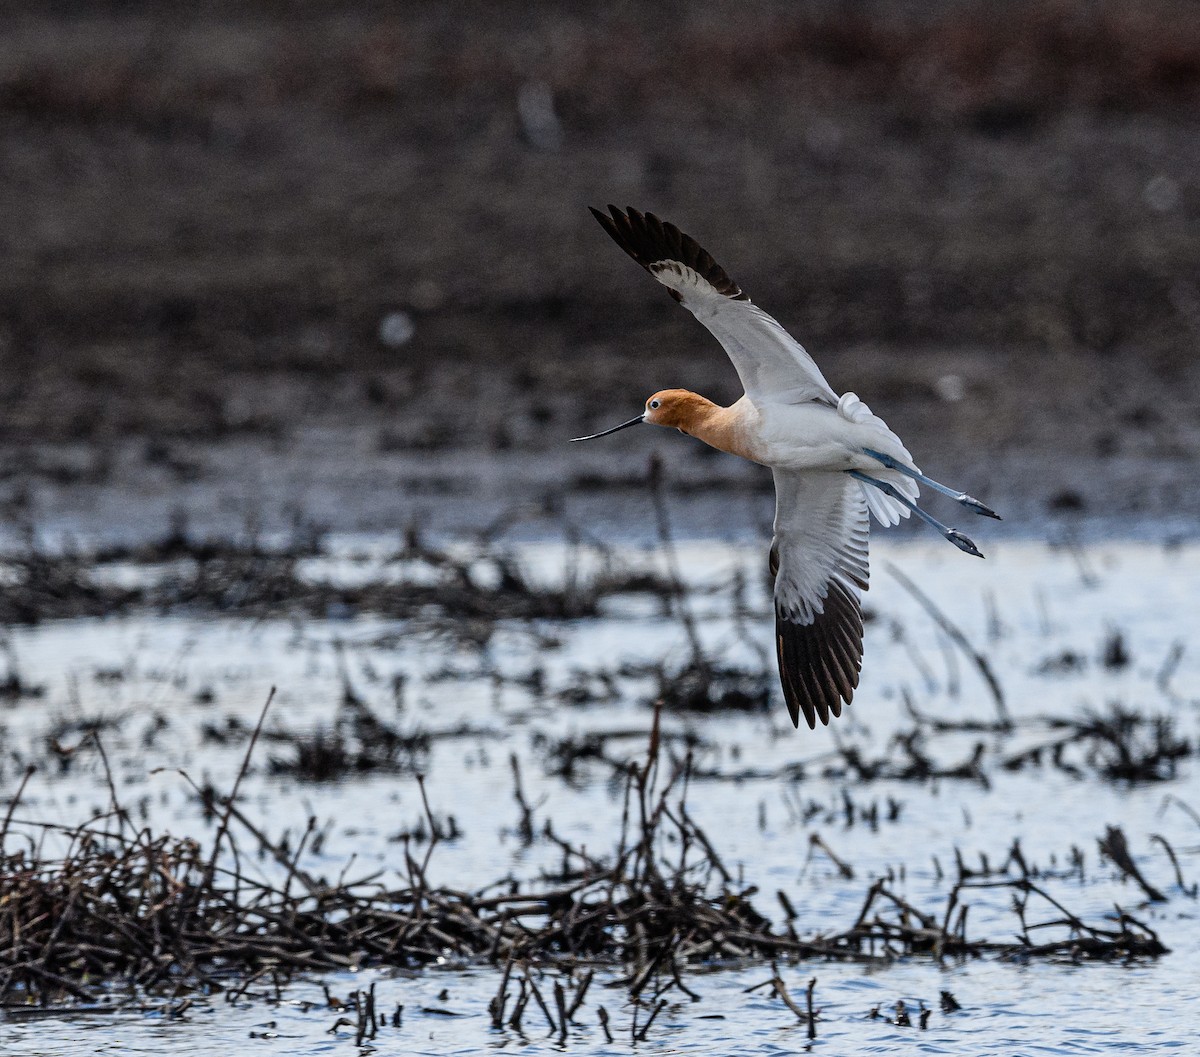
(963, 543)
(971, 503)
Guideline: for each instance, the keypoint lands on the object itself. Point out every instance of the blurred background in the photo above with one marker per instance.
(333, 261)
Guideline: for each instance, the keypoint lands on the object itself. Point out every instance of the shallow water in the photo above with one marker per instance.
(1026, 606)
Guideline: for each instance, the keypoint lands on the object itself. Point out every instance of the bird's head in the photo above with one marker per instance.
(674, 408)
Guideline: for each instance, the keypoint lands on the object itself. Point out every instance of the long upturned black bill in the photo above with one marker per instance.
(605, 433)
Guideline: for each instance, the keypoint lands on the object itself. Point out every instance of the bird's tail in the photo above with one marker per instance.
(886, 510)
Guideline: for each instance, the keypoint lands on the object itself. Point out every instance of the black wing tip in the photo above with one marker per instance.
(649, 240)
(604, 217)
(819, 663)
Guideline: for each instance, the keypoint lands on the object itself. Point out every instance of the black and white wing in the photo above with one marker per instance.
(819, 562)
(770, 362)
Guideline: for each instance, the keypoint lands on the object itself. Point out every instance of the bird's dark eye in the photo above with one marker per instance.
(655, 404)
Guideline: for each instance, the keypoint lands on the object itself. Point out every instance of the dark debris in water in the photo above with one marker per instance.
(359, 743)
(1122, 744)
(709, 687)
(178, 573)
(167, 915)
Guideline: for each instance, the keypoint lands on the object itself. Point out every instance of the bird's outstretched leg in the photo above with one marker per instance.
(953, 535)
(970, 502)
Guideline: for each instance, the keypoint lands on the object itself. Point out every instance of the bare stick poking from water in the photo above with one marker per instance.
(560, 1004)
(519, 1008)
(602, 1016)
(30, 771)
(114, 803)
(1163, 678)
(525, 826)
(1190, 892)
(497, 1004)
(223, 828)
(845, 870)
(1183, 805)
(533, 988)
(956, 634)
(581, 990)
(639, 1034)
(781, 990)
(679, 602)
(812, 1016)
(1116, 848)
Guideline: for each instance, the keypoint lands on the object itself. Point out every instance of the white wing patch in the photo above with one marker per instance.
(769, 361)
(821, 530)
(687, 283)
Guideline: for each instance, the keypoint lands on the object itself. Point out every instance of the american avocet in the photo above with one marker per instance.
(833, 462)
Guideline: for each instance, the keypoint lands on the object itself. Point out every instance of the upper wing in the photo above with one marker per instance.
(769, 361)
(819, 562)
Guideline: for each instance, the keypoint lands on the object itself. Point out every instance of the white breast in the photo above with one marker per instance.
(814, 436)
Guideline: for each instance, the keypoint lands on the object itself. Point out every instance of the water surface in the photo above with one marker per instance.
(1044, 618)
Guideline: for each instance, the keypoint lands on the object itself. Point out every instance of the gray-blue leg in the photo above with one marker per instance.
(970, 502)
(953, 535)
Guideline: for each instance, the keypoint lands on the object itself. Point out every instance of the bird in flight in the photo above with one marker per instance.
(834, 463)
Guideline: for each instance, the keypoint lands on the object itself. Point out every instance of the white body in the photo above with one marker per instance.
(817, 437)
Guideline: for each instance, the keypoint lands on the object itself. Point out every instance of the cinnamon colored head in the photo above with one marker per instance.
(676, 409)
